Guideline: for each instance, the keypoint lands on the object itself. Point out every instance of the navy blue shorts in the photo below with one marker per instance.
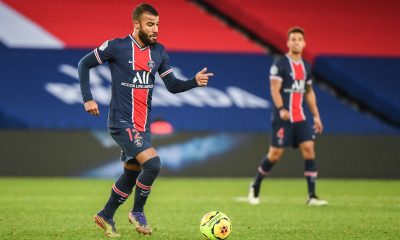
(287, 134)
(131, 141)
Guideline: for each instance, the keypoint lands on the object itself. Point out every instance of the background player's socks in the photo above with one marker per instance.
(310, 172)
(151, 168)
(262, 171)
(120, 191)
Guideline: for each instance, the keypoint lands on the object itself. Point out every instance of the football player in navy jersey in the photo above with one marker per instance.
(291, 84)
(134, 61)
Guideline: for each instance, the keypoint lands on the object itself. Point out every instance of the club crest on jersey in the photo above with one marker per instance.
(138, 142)
(151, 64)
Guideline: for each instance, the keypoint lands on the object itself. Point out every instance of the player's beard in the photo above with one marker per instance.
(145, 38)
(296, 52)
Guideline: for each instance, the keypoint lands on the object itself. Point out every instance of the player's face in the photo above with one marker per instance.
(148, 28)
(296, 43)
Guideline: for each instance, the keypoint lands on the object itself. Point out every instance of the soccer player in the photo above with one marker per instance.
(290, 81)
(134, 61)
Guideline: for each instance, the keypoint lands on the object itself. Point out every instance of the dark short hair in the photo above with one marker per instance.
(143, 8)
(295, 30)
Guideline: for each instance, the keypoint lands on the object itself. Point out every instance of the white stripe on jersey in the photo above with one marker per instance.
(133, 95)
(166, 73)
(97, 56)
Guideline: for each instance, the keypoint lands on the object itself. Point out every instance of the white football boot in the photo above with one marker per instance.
(253, 200)
(315, 201)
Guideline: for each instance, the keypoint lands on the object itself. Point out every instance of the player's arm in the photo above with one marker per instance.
(175, 85)
(276, 85)
(312, 104)
(85, 64)
(276, 79)
(91, 60)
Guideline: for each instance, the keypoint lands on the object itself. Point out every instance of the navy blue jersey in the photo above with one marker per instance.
(294, 76)
(133, 69)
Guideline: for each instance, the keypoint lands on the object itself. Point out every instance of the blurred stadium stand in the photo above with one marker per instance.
(87, 24)
(42, 41)
(356, 29)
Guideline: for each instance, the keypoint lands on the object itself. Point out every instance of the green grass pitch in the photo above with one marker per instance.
(61, 208)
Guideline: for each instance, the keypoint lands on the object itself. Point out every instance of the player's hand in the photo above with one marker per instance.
(284, 114)
(318, 127)
(202, 77)
(92, 107)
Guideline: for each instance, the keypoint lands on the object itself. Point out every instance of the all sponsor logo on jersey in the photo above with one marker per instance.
(141, 80)
(141, 77)
(297, 86)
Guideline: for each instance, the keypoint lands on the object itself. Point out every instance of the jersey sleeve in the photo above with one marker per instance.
(104, 52)
(165, 67)
(308, 74)
(276, 71)
(173, 84)
(96, 57)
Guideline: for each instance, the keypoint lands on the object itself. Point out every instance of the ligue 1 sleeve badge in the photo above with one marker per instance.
(151, 64)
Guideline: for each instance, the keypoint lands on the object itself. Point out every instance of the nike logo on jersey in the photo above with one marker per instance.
(130, 61)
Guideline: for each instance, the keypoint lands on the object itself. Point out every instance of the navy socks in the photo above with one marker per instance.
(121, 190)
(262, 171)
(150, 170)
(310, 172)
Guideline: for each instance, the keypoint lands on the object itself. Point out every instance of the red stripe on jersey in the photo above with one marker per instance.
(296, 98)
(298, 71)
(297, 109)
(140, 102)
(140, 59)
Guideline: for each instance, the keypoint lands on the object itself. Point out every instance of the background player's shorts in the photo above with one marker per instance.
(131, 142)
(287, 134)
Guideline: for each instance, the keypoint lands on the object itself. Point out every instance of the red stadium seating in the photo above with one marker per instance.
(339, 27)
(183, 26)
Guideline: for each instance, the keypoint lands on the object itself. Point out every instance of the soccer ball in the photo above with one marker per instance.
(215, 225)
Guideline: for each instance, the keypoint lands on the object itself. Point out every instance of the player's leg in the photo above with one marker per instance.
(122, 188)
(136, 145)
(280, 138)
(273, 156)
(150, 163)
(310, 168)
(307, 148)
(120, 191)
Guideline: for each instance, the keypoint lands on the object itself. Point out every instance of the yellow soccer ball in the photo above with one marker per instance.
(215, 225)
